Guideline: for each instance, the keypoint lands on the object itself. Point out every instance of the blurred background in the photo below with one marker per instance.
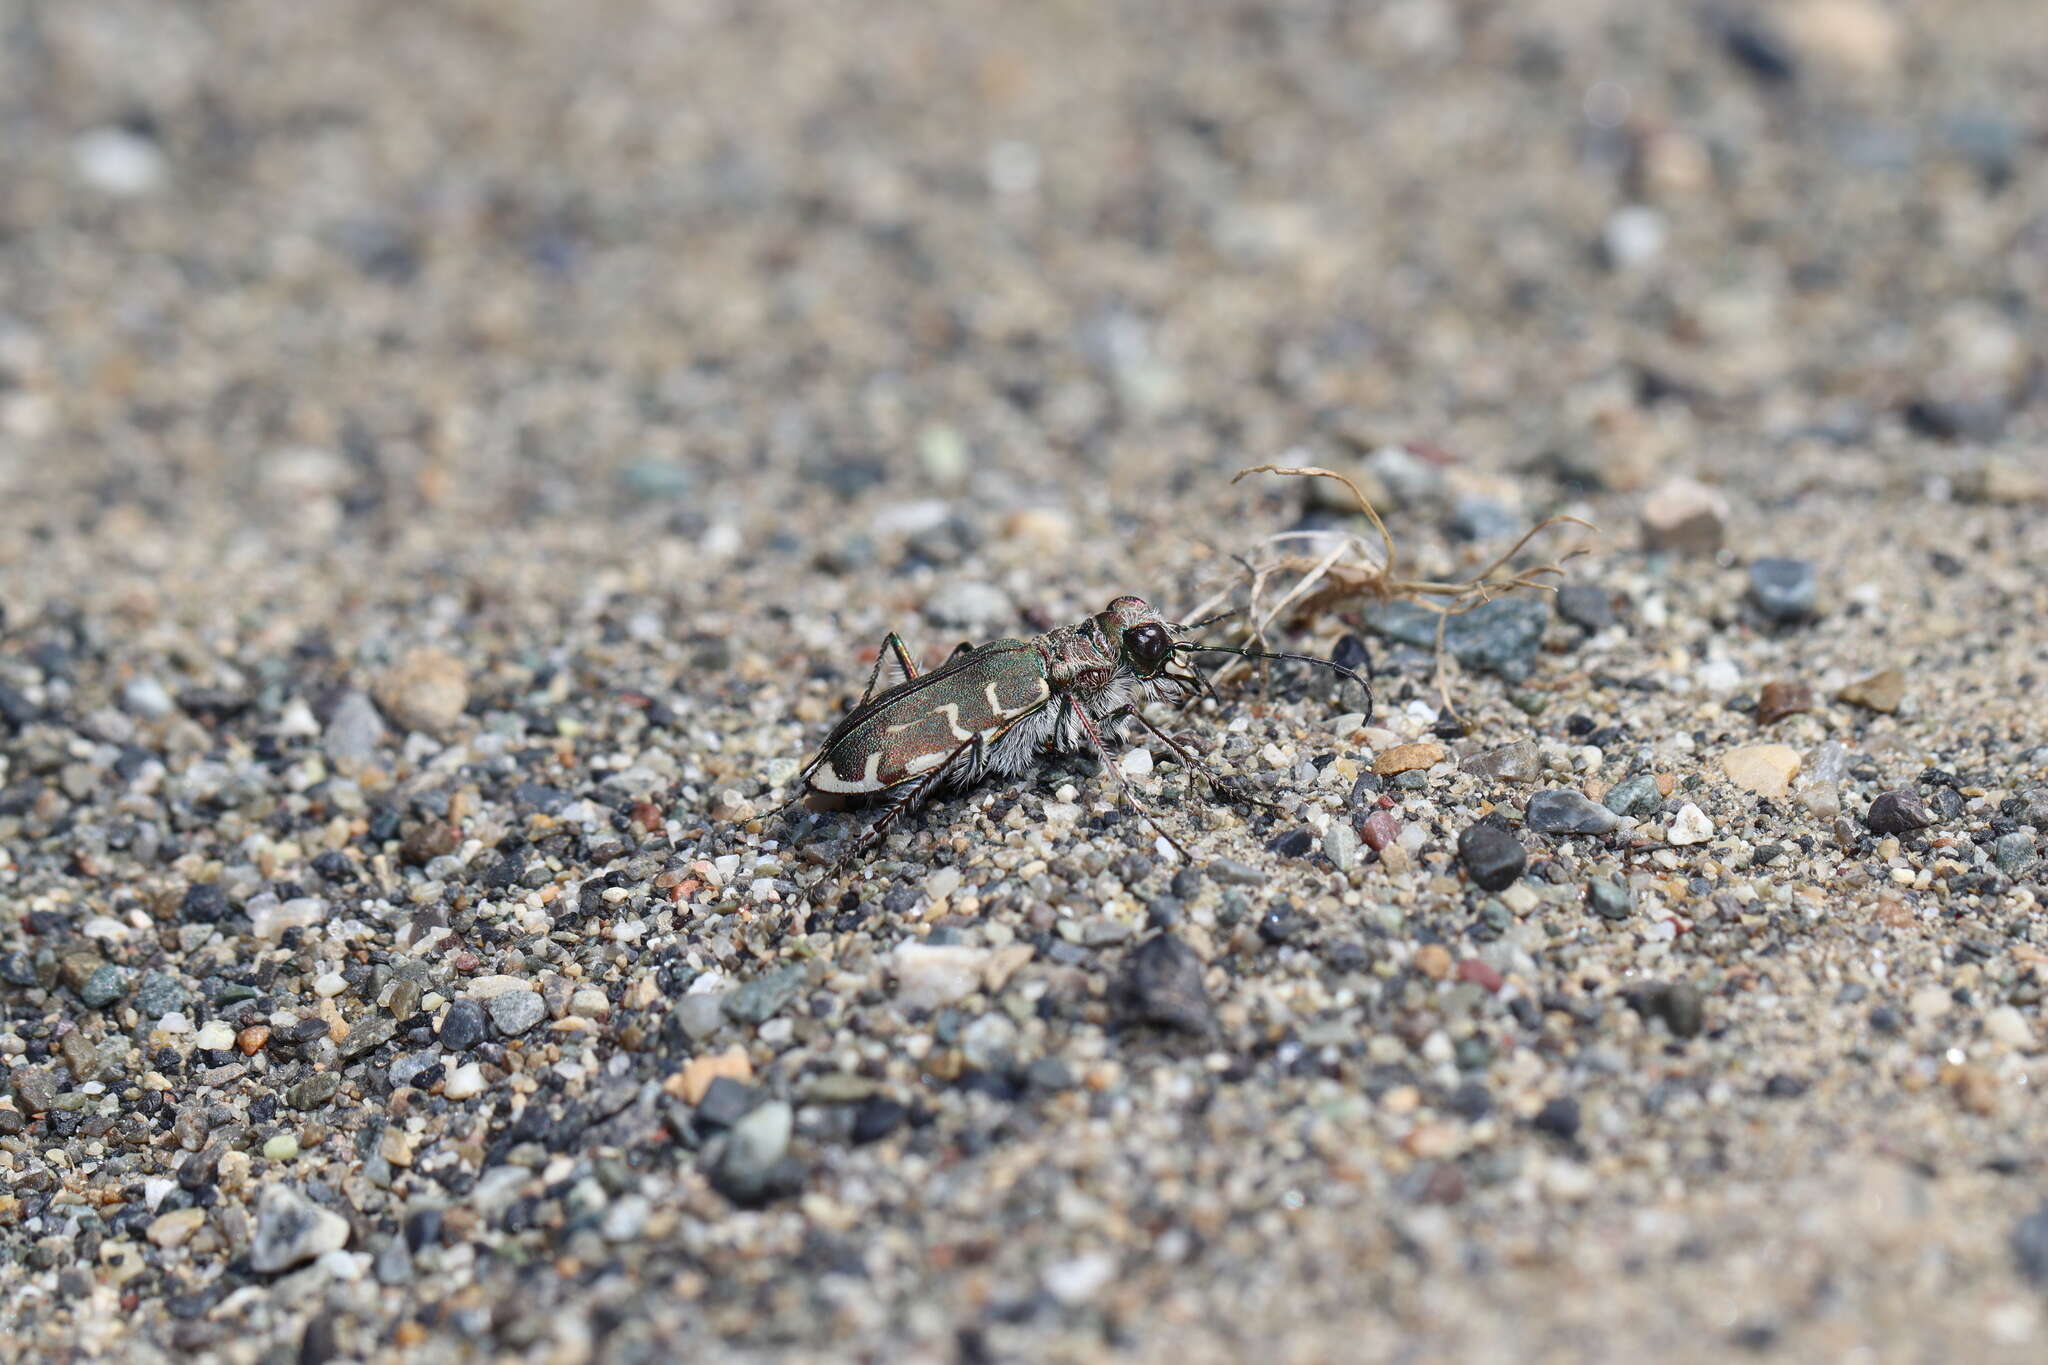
(713, 281)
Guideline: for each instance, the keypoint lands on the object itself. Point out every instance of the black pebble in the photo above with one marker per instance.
(1680, 1006)
(726, 1101)
(1471, 1102)
(2030, 1245)
(1493, 857)
(1162, 984)
(463, 1026)
(1586, 606)
(318, 1345)
(422, 1228)
(1900, 811)
(1279, 924)
(1293, 844)
(205, 903)
(1351, 653)
(876, 1118)
(1559, 1118)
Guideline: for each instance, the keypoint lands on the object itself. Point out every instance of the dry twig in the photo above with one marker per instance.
(1354, 568)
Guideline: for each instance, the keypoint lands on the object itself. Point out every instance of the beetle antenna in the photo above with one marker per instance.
(1209, 620)
(1193, 648)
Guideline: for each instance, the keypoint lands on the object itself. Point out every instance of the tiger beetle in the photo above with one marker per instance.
(999, 707)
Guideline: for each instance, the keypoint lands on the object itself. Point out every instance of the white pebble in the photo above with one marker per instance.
(1081, 1279)
(328, 985)
(931, 975)
(2009, 1026)
(1691, 825)
(1136, 763)
(1718, 676)
(343, 1265)
(216, 1036)
(1930, 1002)
(1633, 236)
(463, 1082)
(116, 161)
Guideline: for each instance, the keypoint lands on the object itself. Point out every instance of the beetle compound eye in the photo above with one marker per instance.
(1149, 646)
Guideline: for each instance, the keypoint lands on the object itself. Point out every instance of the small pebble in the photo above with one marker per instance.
(514, 1012)
(1492, 856)
(1230, 872)
(1880, 692)
(1340, 845)
(1636, 797)
(1778, 700)
(1900, 811)
(463, 1027)
(1764, 769)
(1162, 984)
(427, 690)
(1690, 826)
(1379, 830)
(1610, 899)
(2015, 854)
(464, 1082)
(746, 1172)
(1565, 811)
(291, 1230)
(1521, 761)
(1686, 517)
(1783, 589)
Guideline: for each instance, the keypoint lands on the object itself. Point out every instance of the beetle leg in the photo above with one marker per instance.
(1223, 788)
(892, 645)
(1102, 752)
(914, 796)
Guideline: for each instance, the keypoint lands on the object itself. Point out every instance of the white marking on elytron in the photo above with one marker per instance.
(951, 711)
(827, 778)
(923, 763)
(996, 708)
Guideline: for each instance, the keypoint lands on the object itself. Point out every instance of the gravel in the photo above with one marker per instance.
(467, 465)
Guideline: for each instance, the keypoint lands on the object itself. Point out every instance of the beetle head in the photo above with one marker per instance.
(1143, 640)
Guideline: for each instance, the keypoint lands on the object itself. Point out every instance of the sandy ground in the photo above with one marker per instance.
(458, 460)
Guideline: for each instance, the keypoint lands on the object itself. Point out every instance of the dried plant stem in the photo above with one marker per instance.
(1351, 569)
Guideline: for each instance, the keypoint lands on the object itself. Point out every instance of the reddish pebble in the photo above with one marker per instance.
(647, 816)
(1379, 830)
(1386, 803)
(1479, 974)
(466, 962)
